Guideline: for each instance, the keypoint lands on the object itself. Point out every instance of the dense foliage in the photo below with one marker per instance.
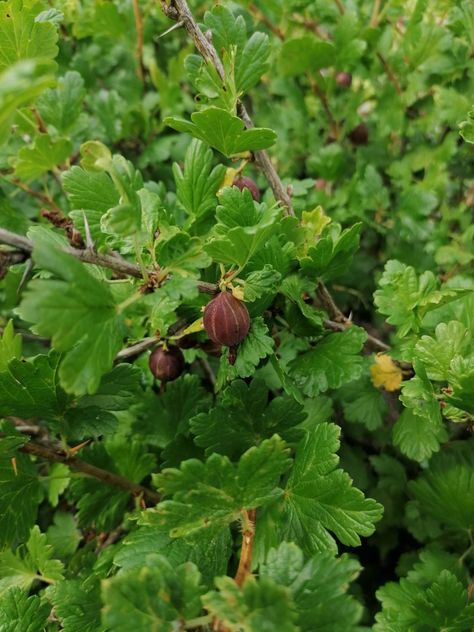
(317, 476)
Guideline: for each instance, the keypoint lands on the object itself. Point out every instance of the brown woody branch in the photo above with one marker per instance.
(57, 455)
(248, 535)
(113, 262)
(178, 10)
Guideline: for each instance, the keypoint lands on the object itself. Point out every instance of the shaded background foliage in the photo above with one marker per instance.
(95, 109)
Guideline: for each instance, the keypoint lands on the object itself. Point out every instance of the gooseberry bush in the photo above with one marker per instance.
(237, 316)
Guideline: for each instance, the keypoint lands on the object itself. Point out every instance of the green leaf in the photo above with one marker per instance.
(77, 604)
(243, 418)
(92, 193)
(258, 605)
(102, 505)
(217, 491)
(419, 395)
(22, 36)
(252, 62)
(63, 535)
(333, 361)
(241, 230)
(20, 84)
(10, 346)
(197, 186)
(118, 389)
(405, 298)
(418, 436)
(32, 563)
(77, 311)
(305, 54)
(168, 414)
(320, 498)
(62, 105)
(20, 493)
(461, 380)
(467, 127)
(226, 133)
(249, 57)
(261, 282)
(363, 403)
(317, 587)
(31, 389)
(182, 254)
(437, 353)
(256, 346)
(44, 154)
(209, 549)
(294, 288)
(18, 612)
(443, 605)
(444, 491)
(122, 220)
(333, 252)
(58, 481)
(156, 597)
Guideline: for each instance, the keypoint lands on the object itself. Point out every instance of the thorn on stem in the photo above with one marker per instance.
(170, 30)
(90, 245)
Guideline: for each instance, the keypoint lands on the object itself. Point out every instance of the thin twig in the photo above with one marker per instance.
(113, 261)
(207, 370)
(57, 455)
(261, 17)
(139, 34)
(390, 73)
(248, 535)
(372, 341)
(135, 349)
(325, 103)
(329, 305)
(340, 6)
(374, 20)
(39, 121)
(179, 11)
(42, 197)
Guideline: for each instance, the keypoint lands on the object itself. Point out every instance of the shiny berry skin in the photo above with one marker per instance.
(226, 320)
(166, 365)
(344, 79)
(360, 134)
(242, 182)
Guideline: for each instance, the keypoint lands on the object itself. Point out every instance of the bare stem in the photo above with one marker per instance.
(374, 20)
(340, 6)
(179, 11)
(139, 34)
(57, 455)
(248, 535)
(42, 197)
(390, 73)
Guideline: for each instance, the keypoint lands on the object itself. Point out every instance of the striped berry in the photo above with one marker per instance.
(166, 365)
(243, 182)
(226, 320)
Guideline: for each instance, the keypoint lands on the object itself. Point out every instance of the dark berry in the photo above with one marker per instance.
(344, 79)
(226, 320)
(320, 184)
(360, 134)
(166, 365)
(242, 182)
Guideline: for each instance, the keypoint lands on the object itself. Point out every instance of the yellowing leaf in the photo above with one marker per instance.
(238, 293)
(228, 178)
(386, 373)
(193, 328)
